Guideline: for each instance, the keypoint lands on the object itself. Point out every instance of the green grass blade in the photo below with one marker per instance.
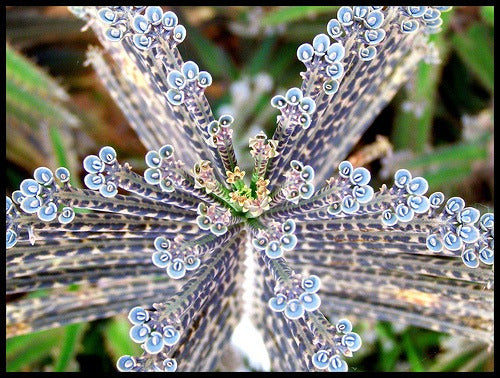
(283, 59)
(456, 360)
(447, 176)
(288, 14)
(72, 336)
(37, 116)
(38, 106)
(59, 150)
(261, 57)
(413, 129)
(390, 350)
(304, 32)
(411, 352)
(61, 154)
(488, 14)
(475, 48)
(31, 77)
(118, 342)
(444, 156)
(211, 57)
(441, 167)
(23, 351)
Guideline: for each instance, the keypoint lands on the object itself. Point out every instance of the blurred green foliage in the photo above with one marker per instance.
(430, 121)
(286, 15)
(475, 48)
(36, 115)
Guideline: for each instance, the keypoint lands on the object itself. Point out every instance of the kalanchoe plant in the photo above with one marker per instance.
(170, 243)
